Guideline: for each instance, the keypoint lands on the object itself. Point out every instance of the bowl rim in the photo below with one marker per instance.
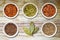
(51, 16)
(6, 33)
(8, 16)
(33, 5)
(46, 34)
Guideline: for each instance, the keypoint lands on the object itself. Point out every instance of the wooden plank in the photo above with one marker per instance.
(39, 20)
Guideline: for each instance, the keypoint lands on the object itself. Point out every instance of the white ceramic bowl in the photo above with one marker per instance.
(13, 29)
(51, 16)
(25, 14)
(48, 35)
(13, 16)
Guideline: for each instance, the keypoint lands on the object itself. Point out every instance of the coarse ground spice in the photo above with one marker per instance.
(49, 10)
(10, 29)
(49, 29)
(10, 10)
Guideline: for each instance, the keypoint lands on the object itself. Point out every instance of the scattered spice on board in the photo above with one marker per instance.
(10, 10)
(49, 10)
(10, 29)
(48, 28)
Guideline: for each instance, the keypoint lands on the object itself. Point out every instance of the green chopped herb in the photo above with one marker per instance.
(30, 10)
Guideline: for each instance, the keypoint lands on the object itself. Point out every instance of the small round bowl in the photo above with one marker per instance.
(46, 34)
(51, 16)
(25, 14)
(13, 29)
(13, 16)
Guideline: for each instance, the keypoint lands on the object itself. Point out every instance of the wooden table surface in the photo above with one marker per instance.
(38, 20)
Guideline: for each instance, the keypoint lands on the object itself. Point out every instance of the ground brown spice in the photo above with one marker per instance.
(10, 29)
(10, 10)
(49, 10)
(49, 29)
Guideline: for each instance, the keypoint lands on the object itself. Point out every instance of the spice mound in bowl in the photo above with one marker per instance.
(30, 10)
(49, 29)
(10, 10)
(49, 10)
(10, 29)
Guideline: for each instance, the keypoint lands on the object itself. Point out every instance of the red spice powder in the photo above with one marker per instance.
(49, 10)
(10, 10)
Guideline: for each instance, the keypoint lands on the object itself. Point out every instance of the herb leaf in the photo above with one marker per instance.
(27, 31)
(36, 30)
(31, 30)
(32, 27)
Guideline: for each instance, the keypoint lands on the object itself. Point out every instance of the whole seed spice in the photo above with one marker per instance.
(49, 10)
(48, 28)
(10, 29)
(10, 10)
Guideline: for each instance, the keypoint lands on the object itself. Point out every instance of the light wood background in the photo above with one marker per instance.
(21, 21)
